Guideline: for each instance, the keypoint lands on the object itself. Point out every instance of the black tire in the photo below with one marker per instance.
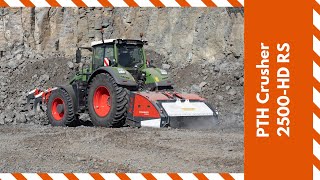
(68, 118)
(116, 116)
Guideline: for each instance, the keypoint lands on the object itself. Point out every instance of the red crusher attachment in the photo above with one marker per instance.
(163, 109)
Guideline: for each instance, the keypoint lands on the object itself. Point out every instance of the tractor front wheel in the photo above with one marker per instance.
(107, 102)
(60, 109)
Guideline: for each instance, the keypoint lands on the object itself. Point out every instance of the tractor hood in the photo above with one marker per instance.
(120, 75)
(157, 76)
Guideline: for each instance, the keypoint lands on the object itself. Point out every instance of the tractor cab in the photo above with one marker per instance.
(127, 54)
(126, 60)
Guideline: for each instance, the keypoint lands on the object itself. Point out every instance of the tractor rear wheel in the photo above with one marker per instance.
(60, 109)
(107, 102)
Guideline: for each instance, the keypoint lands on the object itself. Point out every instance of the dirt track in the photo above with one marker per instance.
(35, 148)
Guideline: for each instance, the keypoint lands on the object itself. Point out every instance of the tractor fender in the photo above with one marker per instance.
(71, 91)
(119, 78)
(156, 78)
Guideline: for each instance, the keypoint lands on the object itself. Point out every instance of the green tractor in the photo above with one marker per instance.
(121, 87)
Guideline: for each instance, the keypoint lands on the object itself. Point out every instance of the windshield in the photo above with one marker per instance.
(130, 55)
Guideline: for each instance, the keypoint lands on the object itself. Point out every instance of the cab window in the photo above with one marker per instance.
(98, 57)
(109, 52)
(100, 53)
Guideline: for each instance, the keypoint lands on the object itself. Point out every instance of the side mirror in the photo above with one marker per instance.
(78, 56)
(149, 62)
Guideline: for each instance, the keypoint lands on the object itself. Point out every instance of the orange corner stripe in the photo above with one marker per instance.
(316, 136)
(316, 7)
(316, 162)
(97, 176)
(148, 176)
(316, 32)
(27, 3)
(3, 3)
(226, 176)
(105, 3)
(71, 176)
(209, 3)
(123, 176)
(79, 3)
(53, 3)
(316, 58)
(18, 176)
(183, 3)
(315, 108)
(131, 3)
(157, 3)
(235, 3)
(174, 176)
(200, 176)
(316, 85)
(44, 176)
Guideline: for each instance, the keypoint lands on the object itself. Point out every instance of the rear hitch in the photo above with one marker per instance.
(37, 97)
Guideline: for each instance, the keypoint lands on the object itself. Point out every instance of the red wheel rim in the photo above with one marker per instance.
(101, 101)
(56, 113)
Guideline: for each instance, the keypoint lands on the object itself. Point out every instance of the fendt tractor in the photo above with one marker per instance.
(121, 88)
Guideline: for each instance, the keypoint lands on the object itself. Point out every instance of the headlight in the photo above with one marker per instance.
(121, 71)
(163, 72)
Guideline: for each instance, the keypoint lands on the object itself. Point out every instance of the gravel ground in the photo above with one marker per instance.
(36, 148)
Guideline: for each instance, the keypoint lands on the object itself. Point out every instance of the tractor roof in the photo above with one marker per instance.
(100, 42)
(129, 41)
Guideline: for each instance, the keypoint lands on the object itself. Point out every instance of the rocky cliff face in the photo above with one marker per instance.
(201, 47)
